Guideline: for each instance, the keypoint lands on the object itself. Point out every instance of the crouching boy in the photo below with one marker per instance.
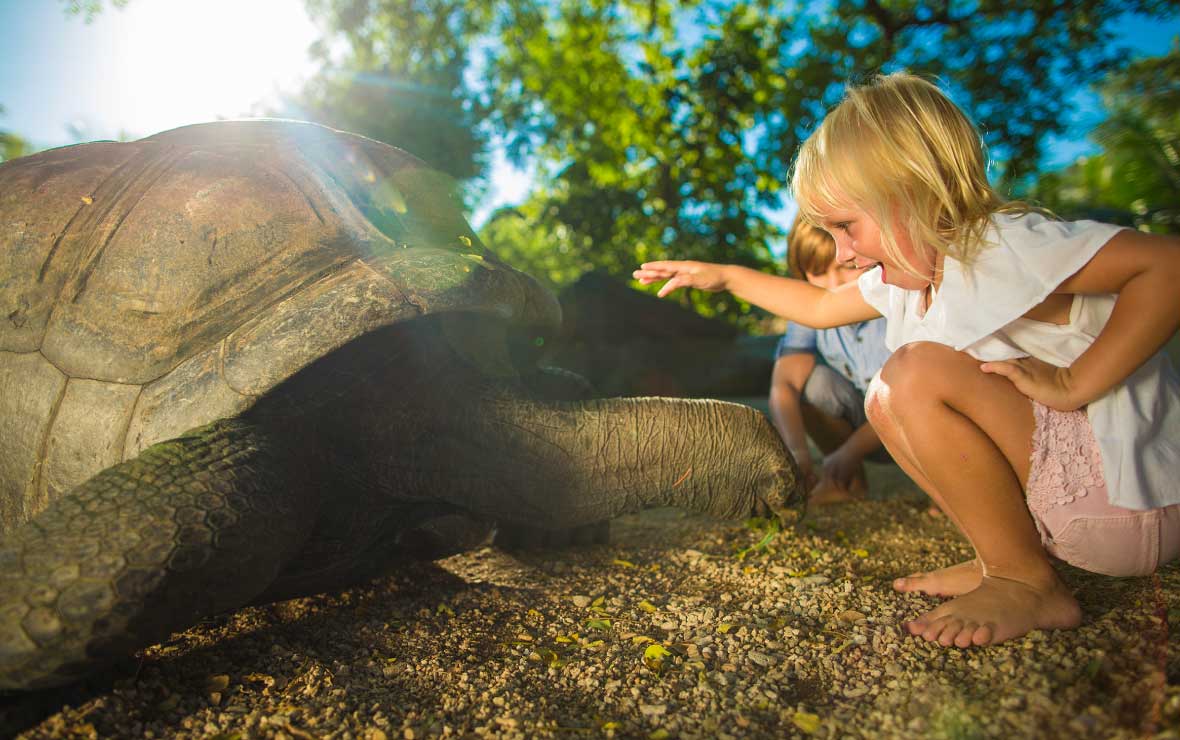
(820, 378)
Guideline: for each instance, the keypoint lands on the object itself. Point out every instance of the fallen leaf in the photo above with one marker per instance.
(217, 683)
(653, 656)
(660, 734)
(444, 609)
(623, 563)
(860, 552)
(598, 602)
(598, 624)
(548, 657)
(809, 723)
(641, 639)
(87, 200)
(724, 627)
(647, 606)
(852, 616)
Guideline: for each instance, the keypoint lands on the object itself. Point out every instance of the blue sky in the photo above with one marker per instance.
(130, 73)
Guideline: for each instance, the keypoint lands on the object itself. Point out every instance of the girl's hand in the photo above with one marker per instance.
(681, 274)
(1037, 379)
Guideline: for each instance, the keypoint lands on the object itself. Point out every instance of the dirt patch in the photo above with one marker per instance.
(681, 627)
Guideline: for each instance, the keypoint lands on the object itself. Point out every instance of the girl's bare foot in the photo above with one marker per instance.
(1000, 609)
(953, 581)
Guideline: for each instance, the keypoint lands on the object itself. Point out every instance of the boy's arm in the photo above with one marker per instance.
(796, 300)
(1144, 270)
(786, 390)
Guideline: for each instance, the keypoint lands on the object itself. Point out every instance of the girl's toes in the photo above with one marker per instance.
(935, 628)
(907, 583)
(966, 635)
(950, 632)
(982, 635)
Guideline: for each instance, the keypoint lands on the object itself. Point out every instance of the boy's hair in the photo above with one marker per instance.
(810, 249)
(899, 149)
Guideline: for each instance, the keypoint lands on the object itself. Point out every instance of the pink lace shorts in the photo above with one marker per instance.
(1067, 497)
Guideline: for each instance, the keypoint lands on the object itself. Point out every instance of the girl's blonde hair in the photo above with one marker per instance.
(899, 149)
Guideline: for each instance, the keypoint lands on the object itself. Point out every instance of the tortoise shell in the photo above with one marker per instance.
(153, 286)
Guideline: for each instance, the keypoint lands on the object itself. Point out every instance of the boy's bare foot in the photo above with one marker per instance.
(1000, 609)
(827, 492)
(824, 495)
(953, 581)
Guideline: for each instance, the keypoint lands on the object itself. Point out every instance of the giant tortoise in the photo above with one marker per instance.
(251, 360)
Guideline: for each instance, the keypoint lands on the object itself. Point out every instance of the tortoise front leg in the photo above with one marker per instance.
(191, 527)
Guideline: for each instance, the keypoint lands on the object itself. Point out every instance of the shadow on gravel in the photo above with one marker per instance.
(21, 710)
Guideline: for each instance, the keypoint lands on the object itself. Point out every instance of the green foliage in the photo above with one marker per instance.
(647, 138)
(1135, 180)
(11, 145)
(88, 9)
(394, 71)
(527, 239)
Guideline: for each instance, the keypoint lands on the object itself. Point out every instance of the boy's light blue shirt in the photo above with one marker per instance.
(856, 351)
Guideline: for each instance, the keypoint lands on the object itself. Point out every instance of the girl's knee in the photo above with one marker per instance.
(922, 370)
(877, 408)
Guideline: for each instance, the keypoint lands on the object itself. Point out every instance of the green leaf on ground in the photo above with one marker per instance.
(807, 722)
(653, 656)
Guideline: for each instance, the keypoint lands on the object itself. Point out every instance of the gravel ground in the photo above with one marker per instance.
(681, 627)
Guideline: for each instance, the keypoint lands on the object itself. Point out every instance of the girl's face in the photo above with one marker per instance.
(858, 241)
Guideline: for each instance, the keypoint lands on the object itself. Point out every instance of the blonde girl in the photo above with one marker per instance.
(1027, 394)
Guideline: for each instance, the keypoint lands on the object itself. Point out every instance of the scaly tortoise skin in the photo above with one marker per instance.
(245, 361)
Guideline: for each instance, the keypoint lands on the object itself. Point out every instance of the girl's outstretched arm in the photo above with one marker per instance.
(794, 300)
(1144, 270)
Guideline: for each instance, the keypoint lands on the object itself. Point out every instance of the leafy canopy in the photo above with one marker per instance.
(665, 128)
(12, 145)
(1135, 180)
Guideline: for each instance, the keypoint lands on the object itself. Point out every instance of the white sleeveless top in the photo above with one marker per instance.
(979, 310)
